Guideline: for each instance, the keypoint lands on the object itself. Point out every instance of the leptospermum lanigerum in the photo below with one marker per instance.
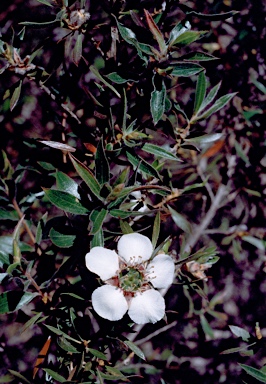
(131, 278)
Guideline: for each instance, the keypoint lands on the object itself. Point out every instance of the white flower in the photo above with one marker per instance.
(130, 278)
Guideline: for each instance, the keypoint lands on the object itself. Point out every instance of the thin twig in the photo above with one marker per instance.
(155, 333)
(27, 228)
(63, 105)
(198, 230)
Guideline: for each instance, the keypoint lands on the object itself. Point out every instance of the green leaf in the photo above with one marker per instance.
(57, 145)
(11, 301)
(65, 201)
(116, 78)
(3, 276)
(237, 349)
(87, 176)
(6, 379)
(256, 373)
(97, 217)
(15, 96)
(39, 230)
(66, 184)
(186, 69)
(8, 215)
(46, 166)
(240, 332)
(156, 229)
(206, 326)
(180, 221)
(219, 104)
(102, 165)
(258, 243)
(129, 36)
(188, 37)
(66, 345)
(77, 51)
(61, 333)
(45, 2)
(205, 139)
(97, 354)
(125, 227)
(30, 322)
(142, 165)
(54, 375)
(200, 92)
(61, 240)
(97, 74)
(98, 239)
(157, 103)
(198, 56)
(177, 31)
(135, 349)
(210, 96)
(19, 376)
(159, 151)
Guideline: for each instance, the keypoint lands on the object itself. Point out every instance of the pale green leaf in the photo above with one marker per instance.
(66, 184)
(156, 230)
(99, 76)
(125, 227)
(186, 69)
(180, 220)
(135, 349)
(159, 151)
(116, 78)
(11, 301)
(240, 332)
(219, 104)
(157, 103)
(15, 96)
(142, 165)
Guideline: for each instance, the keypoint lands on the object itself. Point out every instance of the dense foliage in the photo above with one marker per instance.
(122, 118)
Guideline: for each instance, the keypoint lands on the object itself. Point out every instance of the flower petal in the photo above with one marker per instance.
(134, 248)
(147, 307)
(109, 302)
(161, 271)
(103, 262)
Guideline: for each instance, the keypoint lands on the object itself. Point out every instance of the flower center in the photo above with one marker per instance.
(130, 279)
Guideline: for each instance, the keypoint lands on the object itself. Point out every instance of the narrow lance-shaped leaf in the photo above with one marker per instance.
(210, 97)
(210, 17)
(125, 227)
(98, 239)
(142, 165)
(186, 69)
(178, 30)
(15, 96)
(11, 301)
(77, 51)
(97, 74)
(45, 2)
(54, 375)
(189, 37)
(198, 56)
(159, 151)
(157, 103)
(156, 230)
(97, 218)
(219, 104)
(180, 220)
(87, 176)
(200, 92)
(65, 201)
(156, 32)
(256, 373)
